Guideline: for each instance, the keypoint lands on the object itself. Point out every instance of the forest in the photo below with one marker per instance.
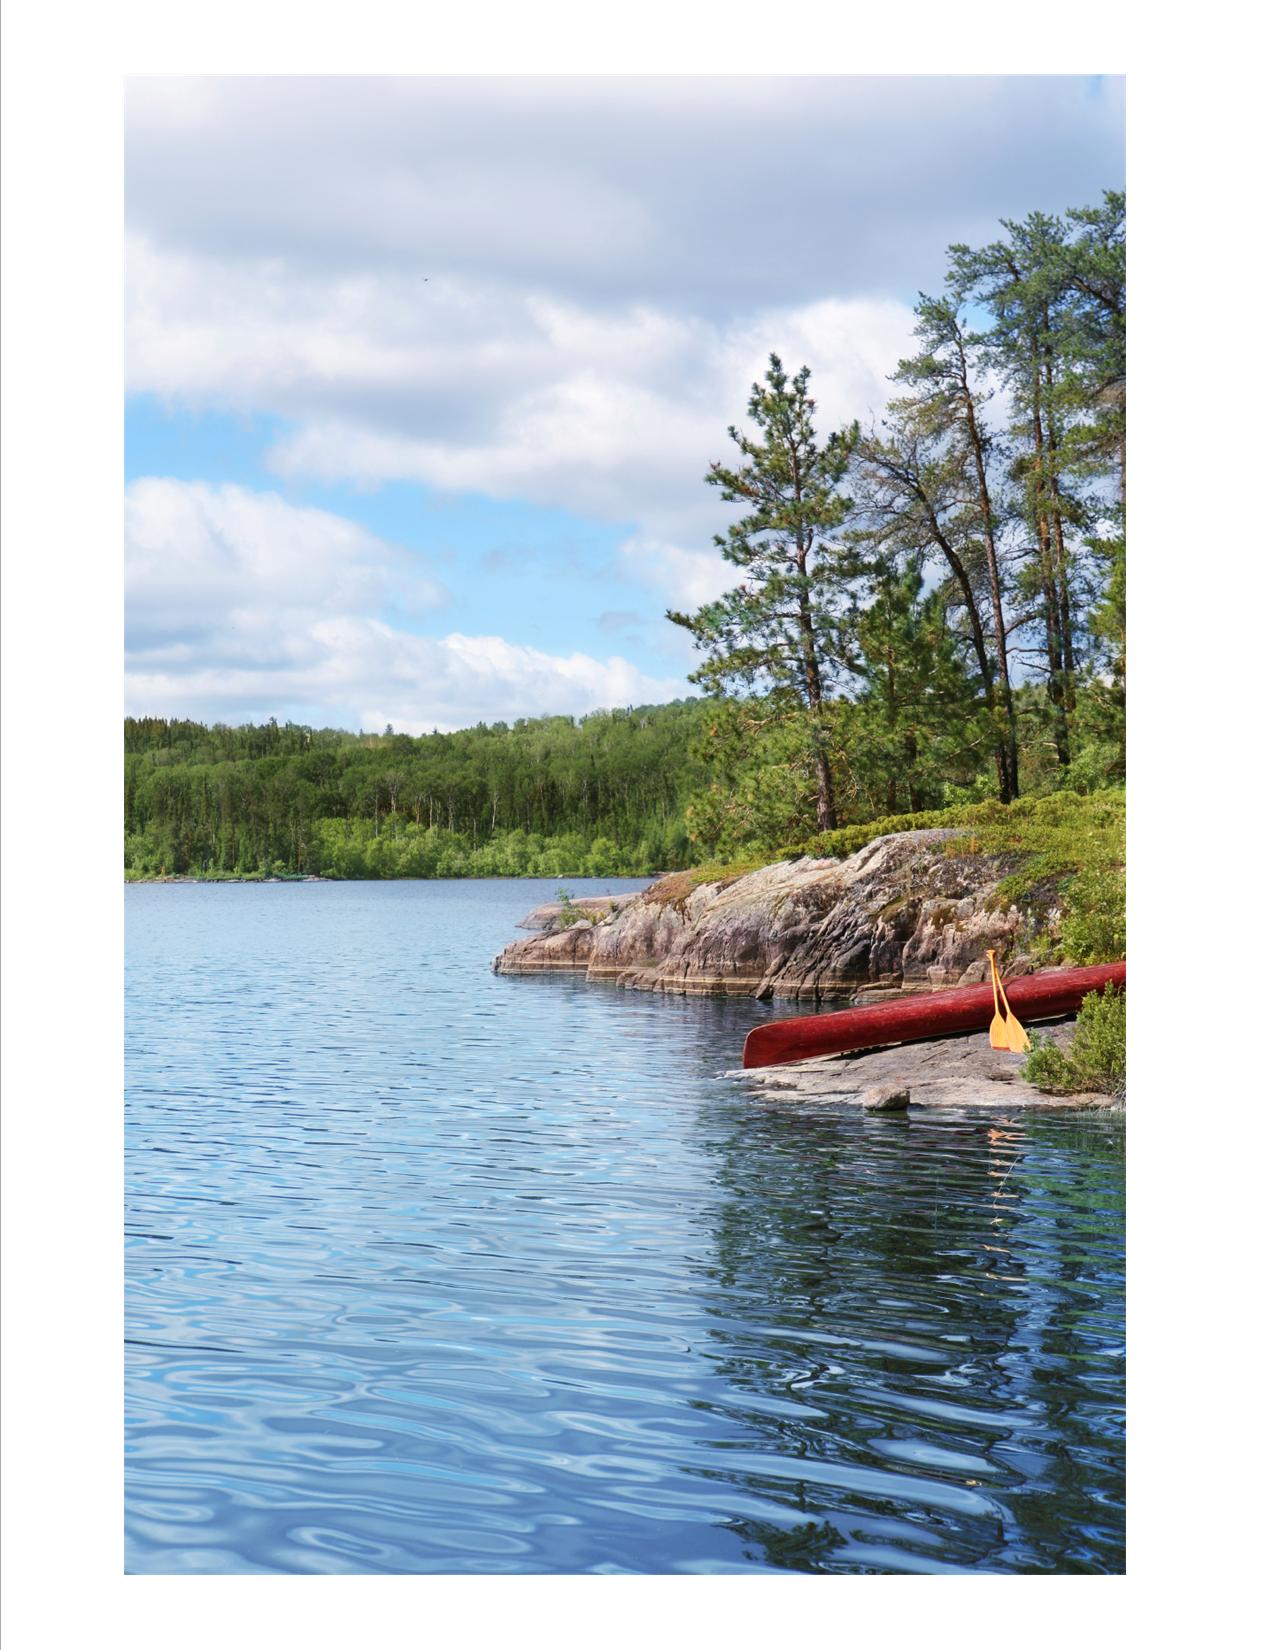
(929, 615)
(551, 796)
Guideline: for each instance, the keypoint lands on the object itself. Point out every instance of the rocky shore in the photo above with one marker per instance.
(950, 1071)
(903, 914)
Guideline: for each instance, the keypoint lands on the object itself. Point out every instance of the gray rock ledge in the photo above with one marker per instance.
(903, 914)
(948, 1071)
(886, 1097)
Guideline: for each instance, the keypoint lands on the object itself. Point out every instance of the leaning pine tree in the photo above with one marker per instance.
(786, 630)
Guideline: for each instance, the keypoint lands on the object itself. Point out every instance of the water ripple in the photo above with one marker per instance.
(435, 1271)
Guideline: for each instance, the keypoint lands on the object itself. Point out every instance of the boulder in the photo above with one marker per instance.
(886, 1097)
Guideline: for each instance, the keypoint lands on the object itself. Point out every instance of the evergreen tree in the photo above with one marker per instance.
(915, 505)
(917, 723)
(786, 629)
(1055, 292)
(946, 404)
(1092, 269)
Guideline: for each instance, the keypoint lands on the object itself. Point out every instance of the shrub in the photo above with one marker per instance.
(1095, 1062)
(568, 914)
(1092, 929)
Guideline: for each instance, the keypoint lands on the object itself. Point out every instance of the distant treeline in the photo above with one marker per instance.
(617, 793)
(603, 796)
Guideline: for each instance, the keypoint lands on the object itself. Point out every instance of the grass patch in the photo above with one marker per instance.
(1095, 1062)
(676, 888)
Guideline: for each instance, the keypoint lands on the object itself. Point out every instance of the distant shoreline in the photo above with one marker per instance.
(486, 876)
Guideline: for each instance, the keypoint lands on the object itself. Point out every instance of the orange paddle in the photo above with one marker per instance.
(1005, 1032)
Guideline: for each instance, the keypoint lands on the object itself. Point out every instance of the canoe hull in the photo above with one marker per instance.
(934, 1014)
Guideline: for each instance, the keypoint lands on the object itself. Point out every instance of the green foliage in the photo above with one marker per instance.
(1095, 1062)
(568, 913)
(788, 615)
(917, 722)
(1050, 838)
(1060, 832)
(603, 796)
(786, 629)
(1093, 925)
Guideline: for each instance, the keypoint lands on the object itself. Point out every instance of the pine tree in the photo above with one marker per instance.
(915, 503)
(1092, 272)
(947, 398)
(786, 630)
(917, 717)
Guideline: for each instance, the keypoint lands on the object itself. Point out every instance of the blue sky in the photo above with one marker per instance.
(357, 496)
(498, 559)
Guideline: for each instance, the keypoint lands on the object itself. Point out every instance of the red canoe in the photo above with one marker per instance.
(930, 1014)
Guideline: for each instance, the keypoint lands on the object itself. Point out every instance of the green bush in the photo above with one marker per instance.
(1092, 929)
(1061, 833)
(1095, 1062)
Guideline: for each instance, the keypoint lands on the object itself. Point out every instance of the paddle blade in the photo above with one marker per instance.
(1004, 1032)
(1016, 1039)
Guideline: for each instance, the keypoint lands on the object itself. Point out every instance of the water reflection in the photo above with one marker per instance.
(931, 1309)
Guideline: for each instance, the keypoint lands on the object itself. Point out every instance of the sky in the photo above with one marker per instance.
(424, 375)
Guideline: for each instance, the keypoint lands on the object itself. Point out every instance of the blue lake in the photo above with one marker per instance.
(435, 1271)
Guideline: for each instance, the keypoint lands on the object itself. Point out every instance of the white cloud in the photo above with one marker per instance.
(611, 414)
(202, 560)
(713, 195)
(244, 606)
(688, 578)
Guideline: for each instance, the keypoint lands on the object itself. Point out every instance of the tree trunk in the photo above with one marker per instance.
(908, 477)
(1065, 636)
(1008, 789)
(1049, 585)
(891, 717)
(1010, 734)
(825, 808)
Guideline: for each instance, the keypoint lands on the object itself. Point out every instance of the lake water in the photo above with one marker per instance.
(435, 1271)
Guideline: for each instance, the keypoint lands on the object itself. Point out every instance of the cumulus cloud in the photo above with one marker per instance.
(244, 606)
(611, 414)
(205, 560)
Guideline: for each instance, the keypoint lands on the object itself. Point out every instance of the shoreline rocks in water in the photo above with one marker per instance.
(902, 915)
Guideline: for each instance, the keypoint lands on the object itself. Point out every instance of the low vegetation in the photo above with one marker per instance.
(1095, 1062)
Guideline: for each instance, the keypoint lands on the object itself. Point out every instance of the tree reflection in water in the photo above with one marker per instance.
(919, 1323)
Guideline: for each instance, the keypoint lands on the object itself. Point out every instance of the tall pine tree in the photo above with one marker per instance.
(786, 629)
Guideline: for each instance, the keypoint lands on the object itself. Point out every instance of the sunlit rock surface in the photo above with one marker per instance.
(901, 915)
(947, 1071)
